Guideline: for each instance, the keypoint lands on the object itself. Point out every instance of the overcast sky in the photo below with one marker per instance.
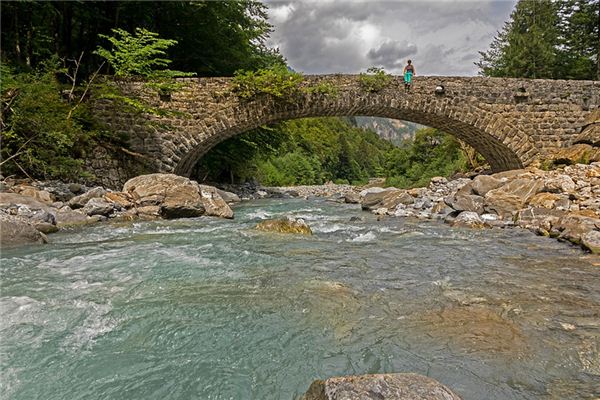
(442, 37)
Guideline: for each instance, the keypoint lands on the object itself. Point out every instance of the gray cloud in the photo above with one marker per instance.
(442, 37)
(391, 53)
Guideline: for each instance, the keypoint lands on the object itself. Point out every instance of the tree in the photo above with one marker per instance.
(137, 55)
(580, 39)
(215, 38)
(547, 39)
(527, 46)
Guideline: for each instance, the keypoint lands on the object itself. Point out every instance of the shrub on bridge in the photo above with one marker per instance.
(276, 81)
(374, 80)
(322, 88)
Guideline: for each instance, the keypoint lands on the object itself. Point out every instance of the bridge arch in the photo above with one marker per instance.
(503, 145)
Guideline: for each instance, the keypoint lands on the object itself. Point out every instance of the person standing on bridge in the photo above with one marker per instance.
(408, 72)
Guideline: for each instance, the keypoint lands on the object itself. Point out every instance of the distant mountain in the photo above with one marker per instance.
(394, 130)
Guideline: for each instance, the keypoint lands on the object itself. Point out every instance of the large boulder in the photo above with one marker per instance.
(37, 213)
(66, 217)
(512, 174)
(352, 198)
(538, 219)
(380, 387)
(466, 202)
(285, 225)
(8, 199)
(591, 241)
(512, 197)
(177, 196)
(374, 198)
(99, 206)
(15, 231)
(559, 184)
(81, 200)
(213, 203)
(484, 183)
(120, 199)
(30, 191)
(550, 200)
(573, 226)
(468, 219)
(228, 197)
(578, 153)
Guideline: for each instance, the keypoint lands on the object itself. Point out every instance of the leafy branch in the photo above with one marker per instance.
(374, 80)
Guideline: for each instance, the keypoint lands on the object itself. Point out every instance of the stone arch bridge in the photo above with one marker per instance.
(511, 122)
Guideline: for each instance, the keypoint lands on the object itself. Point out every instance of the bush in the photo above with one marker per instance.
(324, 88)
(374, 80)
(276, 81)
(42, 134)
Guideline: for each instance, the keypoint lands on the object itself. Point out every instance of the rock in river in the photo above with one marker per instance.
(591, 241)
(285, 226)
(15, 231)
(380, 387)
(177, 197)
(468, 219)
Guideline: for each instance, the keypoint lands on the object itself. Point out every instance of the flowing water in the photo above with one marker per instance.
(212, 309)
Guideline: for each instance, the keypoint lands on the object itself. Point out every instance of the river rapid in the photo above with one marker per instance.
(209, 308)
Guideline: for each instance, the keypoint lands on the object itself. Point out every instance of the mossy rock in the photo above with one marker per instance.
(283, 225)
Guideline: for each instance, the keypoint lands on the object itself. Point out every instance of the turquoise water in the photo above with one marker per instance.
(212, 309)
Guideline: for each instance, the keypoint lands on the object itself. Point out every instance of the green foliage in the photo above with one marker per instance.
(322, 88)
(295, 168)
(139, 55)
(374, 80)
(42, 134)
(317, 150)
(277, 81)
(136, 55)
(215, 38)
(579, 41)
(433, 153)
(547, 39)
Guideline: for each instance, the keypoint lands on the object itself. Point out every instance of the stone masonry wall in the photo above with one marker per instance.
(511, 122)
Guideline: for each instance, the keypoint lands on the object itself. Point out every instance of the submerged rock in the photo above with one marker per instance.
(285, 226)
(380, 387)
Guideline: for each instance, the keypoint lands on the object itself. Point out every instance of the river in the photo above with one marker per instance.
(209, 308)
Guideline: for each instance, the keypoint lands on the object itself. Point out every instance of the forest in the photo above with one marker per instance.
(54, 53)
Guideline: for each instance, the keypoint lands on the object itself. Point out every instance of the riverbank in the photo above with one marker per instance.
(29, 209)
(563, 203)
